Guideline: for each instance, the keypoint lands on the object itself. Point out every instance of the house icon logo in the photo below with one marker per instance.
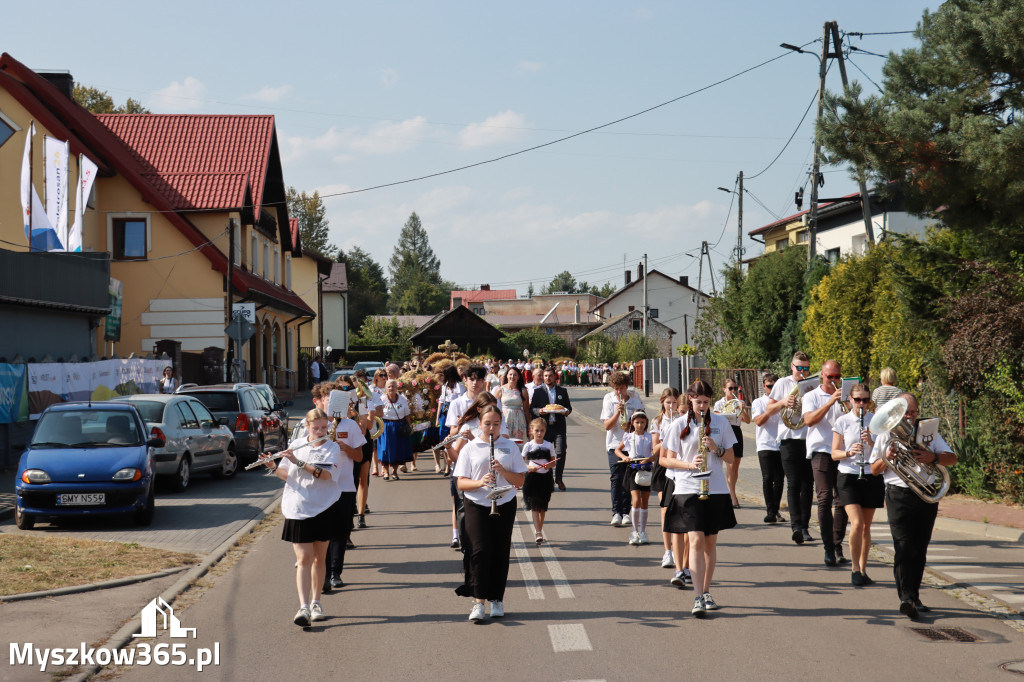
(156, 611)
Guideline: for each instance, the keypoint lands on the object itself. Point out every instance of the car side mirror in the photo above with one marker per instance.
(278, 406)
(223, 421)
(156, 442)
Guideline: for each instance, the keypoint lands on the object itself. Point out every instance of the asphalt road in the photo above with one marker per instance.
(589, 607)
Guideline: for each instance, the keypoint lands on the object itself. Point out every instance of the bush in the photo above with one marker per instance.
(535, 341)
(598, 349)
(635, 346)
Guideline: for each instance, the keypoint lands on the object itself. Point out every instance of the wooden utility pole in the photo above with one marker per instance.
(739, 230)
(812, 230)
(645, 295)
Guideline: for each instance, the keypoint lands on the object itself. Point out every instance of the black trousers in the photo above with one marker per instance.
(831, 515)
(620, 496)
(772, 479)
(911, 520)
(558, 447)
(799, 481)
(336, 548)
(491, 545)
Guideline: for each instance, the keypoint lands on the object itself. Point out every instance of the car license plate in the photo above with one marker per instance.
(68, 499)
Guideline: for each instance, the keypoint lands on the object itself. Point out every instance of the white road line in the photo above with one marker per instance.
(569, 637)
(979, 576)
(948, 557)
(562, 586)
(533, 589)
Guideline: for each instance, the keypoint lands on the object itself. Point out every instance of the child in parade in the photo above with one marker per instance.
(637, 451)
(539, 483)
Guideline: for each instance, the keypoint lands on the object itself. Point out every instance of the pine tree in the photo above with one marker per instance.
(414, 274)
(313, 224)
(367, 287)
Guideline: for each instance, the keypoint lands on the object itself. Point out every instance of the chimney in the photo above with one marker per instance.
(61, 80)
(485, 287)
(684, 280)
(628, 280)
(639, 271)
(576, 313)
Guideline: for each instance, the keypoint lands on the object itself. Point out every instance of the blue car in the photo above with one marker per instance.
(87, 459)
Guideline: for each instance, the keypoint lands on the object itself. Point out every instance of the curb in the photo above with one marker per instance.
(74, 589)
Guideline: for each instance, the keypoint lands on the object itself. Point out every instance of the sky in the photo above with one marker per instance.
(367, 94)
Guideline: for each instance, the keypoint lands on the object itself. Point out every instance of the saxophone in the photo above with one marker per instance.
(702, 450)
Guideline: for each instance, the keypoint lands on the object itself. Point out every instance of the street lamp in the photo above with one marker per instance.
(738, 250)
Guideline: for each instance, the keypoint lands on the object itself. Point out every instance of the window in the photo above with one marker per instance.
(254, 263)
(206, 419)
(6, 129)
(129, 238)
(288, 270)
(277, 265)
(801, 236)
(832, 255)
(782, 244)
(188, 418)
(266, 258)
(637, 324)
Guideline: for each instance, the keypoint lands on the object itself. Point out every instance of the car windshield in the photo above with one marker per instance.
(86, 428)
(223, 401)
(268, 394)
(152, 411)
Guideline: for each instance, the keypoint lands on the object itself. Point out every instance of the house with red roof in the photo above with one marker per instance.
(474, 298)
(184, 205)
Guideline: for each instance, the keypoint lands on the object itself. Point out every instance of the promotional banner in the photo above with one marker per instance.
(77, 380)
(45, 386)
(38, 232)
(13, 395)
(55, 165)
(113, 378)
(86, 176)
(50, 383)
(112, 325)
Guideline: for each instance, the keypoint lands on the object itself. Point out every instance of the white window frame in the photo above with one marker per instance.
(277, 265)
(288, 270)
(254, 247)
(111, 217)
(266, 257)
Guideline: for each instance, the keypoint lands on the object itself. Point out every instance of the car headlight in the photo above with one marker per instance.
(35, 476)
(131, 474)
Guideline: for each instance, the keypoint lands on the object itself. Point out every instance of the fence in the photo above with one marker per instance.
(660, 373)
(749, 379)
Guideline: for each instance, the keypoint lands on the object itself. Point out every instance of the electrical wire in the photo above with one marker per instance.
(795, 130)
(878, 33)
(732, 198)
(761, 203)
(873, 54)
(854, 64)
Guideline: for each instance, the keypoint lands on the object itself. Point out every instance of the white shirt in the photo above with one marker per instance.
(348, 432)
(882, 444)
(767, 435)
(636, 445)
(474, 462)
(531, 387)
(686, 450)
(397, 409)
(542, 447)
(457, 408)
(613, 436)
(305, 496)
(780, 392)
(819, 436)
(848, 426)
(662, 426)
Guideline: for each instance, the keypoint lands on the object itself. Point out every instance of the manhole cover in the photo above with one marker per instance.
(947, 634)
(1013, 667)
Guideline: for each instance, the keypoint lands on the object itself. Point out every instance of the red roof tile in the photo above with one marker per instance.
(338, 281)
(205, 147)
(195, 191)
(476, 296)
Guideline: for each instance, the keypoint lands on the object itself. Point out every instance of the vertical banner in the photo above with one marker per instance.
(86, 176)
(56, 173)
(13, 396)
(45, 386)
(112, 326)
(38, 232)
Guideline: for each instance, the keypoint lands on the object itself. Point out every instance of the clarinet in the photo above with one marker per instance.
(861, 462)
(494, 500)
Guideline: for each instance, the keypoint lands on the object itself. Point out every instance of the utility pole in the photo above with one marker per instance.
(739, 231)
(230, 291)
(865, 199)
(645, 295)
(812, 230)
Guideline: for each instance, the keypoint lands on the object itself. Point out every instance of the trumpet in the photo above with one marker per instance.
(363, 394)
(624, 417)
(263, 459)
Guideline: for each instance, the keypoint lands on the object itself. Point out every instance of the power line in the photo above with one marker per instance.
(761, 203)
(877, 33)
(850, 61)
(795, 130)
(732, 198)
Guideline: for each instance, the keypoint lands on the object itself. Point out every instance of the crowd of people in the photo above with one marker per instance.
(504, 427)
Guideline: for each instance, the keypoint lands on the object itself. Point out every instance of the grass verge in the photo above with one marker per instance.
(31, 563)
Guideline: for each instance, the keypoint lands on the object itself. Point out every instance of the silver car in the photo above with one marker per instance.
(194, 441)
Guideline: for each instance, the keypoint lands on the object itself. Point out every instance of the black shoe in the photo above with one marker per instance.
(830, 557)
(839, 555)
(868, 580)
(770, 518)
(456, 544)
(327, 587)
(908, 609)
(780, 518)
(798, 537)
(921, 607)
(337, 583)
(366, 509)
(349, 544)
(807, 535)
(361, 521)
(857, 578)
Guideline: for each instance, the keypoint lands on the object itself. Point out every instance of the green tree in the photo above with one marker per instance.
(314, 227)
(414, 274)
(536, 341)
(563, 282)
(635, 346)
(99, 102)
(606, 290)
(378, 330)
(597, 349)
(367, 287)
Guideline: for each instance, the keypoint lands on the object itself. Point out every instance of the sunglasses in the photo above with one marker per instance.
(769, 387)
(802, 368)
(832, 376)
(861, 400)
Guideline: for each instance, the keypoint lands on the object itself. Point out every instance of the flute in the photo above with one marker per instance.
(449, 440)
(263, 459)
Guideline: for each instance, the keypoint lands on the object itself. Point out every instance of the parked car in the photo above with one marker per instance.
(277, 407)
(341, 372)
(87, 459)
(369, 366)
(194, 442)
(245, 411)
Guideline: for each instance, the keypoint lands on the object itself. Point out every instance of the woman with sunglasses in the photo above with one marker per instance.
(733, 391)
(768, 454)
(860, 492)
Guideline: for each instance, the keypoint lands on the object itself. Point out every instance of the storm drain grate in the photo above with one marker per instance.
(947, 634)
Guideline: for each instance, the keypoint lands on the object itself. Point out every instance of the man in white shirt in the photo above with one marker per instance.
(821, 409)
(538, 382)
(768, 455)
(911, 519)
(618, 403)
(792, 445)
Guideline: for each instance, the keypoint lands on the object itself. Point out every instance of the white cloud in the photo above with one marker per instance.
(498, 129)
(388, 77)
(389, 138)
(296, 147)
(268, 94)
(529, 67)
(178, 96)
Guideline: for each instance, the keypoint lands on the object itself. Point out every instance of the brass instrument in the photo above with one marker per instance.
(842, 403)
(263, 459)
(363, 394)
(792, 417)
(496, 490)
(903, 436)
(730, 408)
(624, 417)
(702, 450)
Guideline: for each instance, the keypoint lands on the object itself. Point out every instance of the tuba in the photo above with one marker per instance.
(903, 435)
(793, 417)
(363, 393)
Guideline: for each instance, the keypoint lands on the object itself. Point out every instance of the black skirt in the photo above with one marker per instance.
(868, 492)
(320, 528)
(630, 484)
(687, 513)
(667, 490)
(658, 482)
(737, 449)
(537, 490)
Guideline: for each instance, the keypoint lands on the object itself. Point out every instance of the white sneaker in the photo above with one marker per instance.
(699, 610)
(644, 540)
(478, 612)
(616, 520)
(667, 560)
(497, 609)
(709, 603)
(316, 612)
(634, 538)
(302, 617)
(625, 521)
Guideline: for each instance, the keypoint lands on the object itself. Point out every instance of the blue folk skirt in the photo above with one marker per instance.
(394, 448)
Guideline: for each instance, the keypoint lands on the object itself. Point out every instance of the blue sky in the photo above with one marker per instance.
(372, 93)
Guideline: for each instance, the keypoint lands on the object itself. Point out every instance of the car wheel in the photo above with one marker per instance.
(144, 516)
(230, 466)
(23, 521)
(184, 474)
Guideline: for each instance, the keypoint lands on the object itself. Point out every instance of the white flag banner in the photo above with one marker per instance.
(38, 232)
(26, 180)
(86, 176)
(56, 168)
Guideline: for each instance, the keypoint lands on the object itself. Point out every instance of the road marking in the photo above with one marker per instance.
(569, 637)
(979, 576)
(562, 586)
(533, 590)
(1000, 592)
